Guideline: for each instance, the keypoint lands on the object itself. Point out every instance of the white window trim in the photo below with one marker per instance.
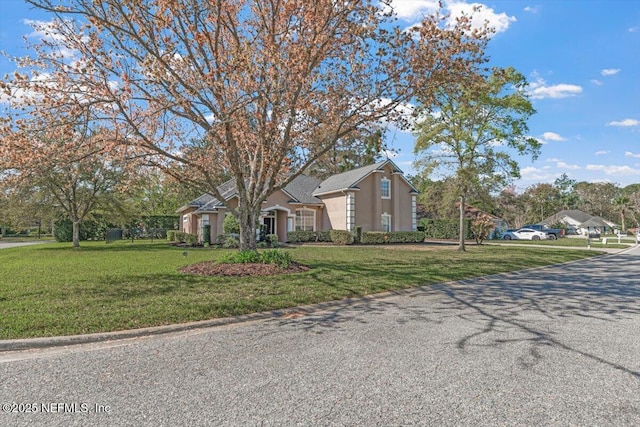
(313, 225)
(385, 179)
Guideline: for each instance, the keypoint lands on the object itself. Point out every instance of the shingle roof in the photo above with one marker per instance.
(575, 214)
(350, 179)
(301, 189)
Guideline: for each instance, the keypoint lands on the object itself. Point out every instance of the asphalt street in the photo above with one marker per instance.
(552, 346)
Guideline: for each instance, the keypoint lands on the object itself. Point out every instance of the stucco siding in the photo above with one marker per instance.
(336, 208)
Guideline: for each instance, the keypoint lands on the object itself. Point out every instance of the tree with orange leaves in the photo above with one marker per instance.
(265, 87)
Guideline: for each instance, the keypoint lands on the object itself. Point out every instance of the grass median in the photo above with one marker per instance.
(51, 289)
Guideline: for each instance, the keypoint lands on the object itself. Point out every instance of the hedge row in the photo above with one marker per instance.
(180, 236)
(343, 237)
(381, 237)
(308, 236)
(443, 228)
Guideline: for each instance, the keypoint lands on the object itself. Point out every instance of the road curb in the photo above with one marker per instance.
(72, 340)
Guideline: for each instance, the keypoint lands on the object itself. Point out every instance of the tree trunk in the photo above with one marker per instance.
(461, 246)
(76, 233)
(247, 223)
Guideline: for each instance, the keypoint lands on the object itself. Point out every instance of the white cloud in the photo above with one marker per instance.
(538, 89)
(552, 136)
(601, 153)
(530, 9)
(634, 29)
(596, 82)
(531, 173)
(412, 10)
(500, 22)
(49, 32)
(563, 165)
(610, 71)
(614, 169)
(630, 154)
(625, 123)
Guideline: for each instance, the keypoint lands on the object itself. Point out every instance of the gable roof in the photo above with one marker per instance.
(350, 179)
(300, 190)
(575, 214)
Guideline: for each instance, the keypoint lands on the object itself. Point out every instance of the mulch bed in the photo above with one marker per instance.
(210, 268)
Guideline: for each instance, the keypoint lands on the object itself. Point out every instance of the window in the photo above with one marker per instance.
(385, 188)
(305, 220)
(386, 222)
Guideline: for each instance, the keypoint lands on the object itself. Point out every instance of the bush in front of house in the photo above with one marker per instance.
(230, 225)
(381, 237)
(301, 236)
(340, 237)
(182, 237)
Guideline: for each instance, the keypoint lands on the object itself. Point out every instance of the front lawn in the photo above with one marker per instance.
(51, 289)
(572, 242)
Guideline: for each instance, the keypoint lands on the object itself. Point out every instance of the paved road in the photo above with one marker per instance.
(557, 346)
(4, 245)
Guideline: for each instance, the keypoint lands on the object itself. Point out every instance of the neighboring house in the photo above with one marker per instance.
(581, 221)
(376, 197)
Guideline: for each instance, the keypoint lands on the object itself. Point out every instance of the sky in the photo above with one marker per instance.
(580, 57)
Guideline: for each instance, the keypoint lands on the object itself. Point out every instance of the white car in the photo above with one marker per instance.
(525, 234)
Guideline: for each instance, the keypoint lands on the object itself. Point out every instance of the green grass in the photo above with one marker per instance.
(51, 289)
(612, 242)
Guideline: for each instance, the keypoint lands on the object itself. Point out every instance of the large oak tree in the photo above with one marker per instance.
(266, 87)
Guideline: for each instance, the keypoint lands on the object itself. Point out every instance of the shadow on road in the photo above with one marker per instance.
(533, 303)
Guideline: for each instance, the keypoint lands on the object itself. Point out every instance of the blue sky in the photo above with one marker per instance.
(582, 61)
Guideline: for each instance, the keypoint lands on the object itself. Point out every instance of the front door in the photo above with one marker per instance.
(269, 225)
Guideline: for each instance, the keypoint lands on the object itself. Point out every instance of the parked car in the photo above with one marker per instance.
(525, 234)
(553, 233)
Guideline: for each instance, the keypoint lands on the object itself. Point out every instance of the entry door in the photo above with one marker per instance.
(269, 225)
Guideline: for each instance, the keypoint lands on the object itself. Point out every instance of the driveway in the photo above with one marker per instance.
(4, 245)
(554, 346)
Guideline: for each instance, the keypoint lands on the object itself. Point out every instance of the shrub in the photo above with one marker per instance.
(323, 236)
(340, 237)
(481, 226)
(301, 236)
(444, 228)
(380, 237)
(182, 237)
(246, 256)
(230, 242)
(230, 225)
(374, 237)
(280, 258)
(357, 238)
(272, 240)
(207, 234)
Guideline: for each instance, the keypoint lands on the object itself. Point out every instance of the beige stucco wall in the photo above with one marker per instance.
(335, 217)
(370, 206)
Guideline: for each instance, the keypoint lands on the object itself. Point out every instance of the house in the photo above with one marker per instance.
(377, 197)
(581, 221)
